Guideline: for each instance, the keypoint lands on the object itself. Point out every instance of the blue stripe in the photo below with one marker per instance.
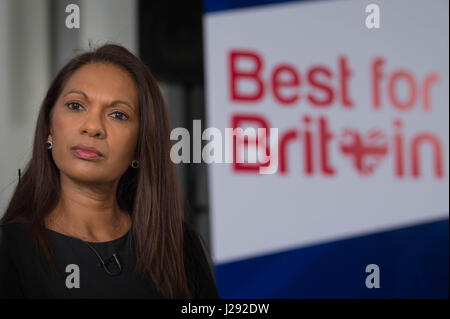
(210, 6)
(413, 263)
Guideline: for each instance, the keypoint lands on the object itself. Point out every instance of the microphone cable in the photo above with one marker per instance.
(114, 258)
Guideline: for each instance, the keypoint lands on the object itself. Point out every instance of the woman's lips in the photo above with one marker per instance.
(84, 154)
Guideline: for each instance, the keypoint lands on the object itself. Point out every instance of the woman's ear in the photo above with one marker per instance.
(136, 153)
(50, 134)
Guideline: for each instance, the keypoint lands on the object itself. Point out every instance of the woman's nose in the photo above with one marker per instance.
(93, 125)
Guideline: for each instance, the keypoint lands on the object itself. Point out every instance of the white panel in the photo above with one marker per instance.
(254, 214)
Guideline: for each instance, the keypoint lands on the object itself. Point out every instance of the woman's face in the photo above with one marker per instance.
(98, 107)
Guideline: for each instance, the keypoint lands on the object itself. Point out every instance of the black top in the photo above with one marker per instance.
(25, 273)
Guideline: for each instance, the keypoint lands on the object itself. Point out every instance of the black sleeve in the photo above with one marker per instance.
(199, 268)
(10, 286)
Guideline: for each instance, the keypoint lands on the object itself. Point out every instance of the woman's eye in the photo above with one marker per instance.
(75, 104)
(122, 116)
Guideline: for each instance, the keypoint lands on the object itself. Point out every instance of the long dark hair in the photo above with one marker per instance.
(151, 193)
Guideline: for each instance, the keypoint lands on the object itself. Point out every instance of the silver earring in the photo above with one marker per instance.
(135, 164)
(49, 144)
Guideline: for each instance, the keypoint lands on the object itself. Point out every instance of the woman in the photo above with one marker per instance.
(97, 213)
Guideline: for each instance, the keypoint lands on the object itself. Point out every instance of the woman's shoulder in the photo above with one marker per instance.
(13, 239)
(18, 224)
(199, 266)
(14, 232)
(193, 240)
(10, 284)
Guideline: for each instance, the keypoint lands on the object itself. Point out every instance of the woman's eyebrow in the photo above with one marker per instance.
(112, 103)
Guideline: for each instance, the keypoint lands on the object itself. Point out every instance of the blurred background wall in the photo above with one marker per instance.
(25, 71)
